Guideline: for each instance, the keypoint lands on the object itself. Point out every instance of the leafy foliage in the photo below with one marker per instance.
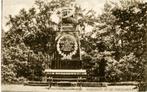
(119, 38)
(26, 44)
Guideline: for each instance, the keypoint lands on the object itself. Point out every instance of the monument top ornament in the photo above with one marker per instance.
(65, 10)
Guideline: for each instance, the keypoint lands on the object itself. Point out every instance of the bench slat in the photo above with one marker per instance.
(66, 79)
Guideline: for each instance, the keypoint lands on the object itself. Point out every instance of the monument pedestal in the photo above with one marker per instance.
(67, 64)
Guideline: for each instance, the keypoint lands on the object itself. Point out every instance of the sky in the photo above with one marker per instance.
(12, 7)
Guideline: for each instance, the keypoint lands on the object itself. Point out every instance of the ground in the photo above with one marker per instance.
(22, 88)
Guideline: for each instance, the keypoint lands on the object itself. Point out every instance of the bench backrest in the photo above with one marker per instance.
(65, 72)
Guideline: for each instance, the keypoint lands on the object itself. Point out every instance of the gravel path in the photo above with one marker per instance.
(22, 88)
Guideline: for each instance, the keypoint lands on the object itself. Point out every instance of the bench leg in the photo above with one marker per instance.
(77, 82)
(49, 84)
(80, 85)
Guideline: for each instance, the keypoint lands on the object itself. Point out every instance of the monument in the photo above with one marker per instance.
(67, 65)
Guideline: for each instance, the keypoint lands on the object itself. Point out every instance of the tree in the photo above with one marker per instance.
(127, 30)
(31, 33)
(119, 38)
(29, 45)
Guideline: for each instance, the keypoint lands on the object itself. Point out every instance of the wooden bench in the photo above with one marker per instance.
(56, 76)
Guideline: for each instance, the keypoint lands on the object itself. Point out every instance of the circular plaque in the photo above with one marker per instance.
(67, 46)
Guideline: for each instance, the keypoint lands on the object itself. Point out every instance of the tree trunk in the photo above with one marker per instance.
(145, 56)
(143, 86)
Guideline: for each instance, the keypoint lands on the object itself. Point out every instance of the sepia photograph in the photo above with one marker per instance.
(73, 45)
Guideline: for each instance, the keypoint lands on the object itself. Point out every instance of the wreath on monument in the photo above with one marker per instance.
(67, 46)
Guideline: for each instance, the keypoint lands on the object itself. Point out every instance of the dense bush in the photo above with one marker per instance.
(8, 76)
